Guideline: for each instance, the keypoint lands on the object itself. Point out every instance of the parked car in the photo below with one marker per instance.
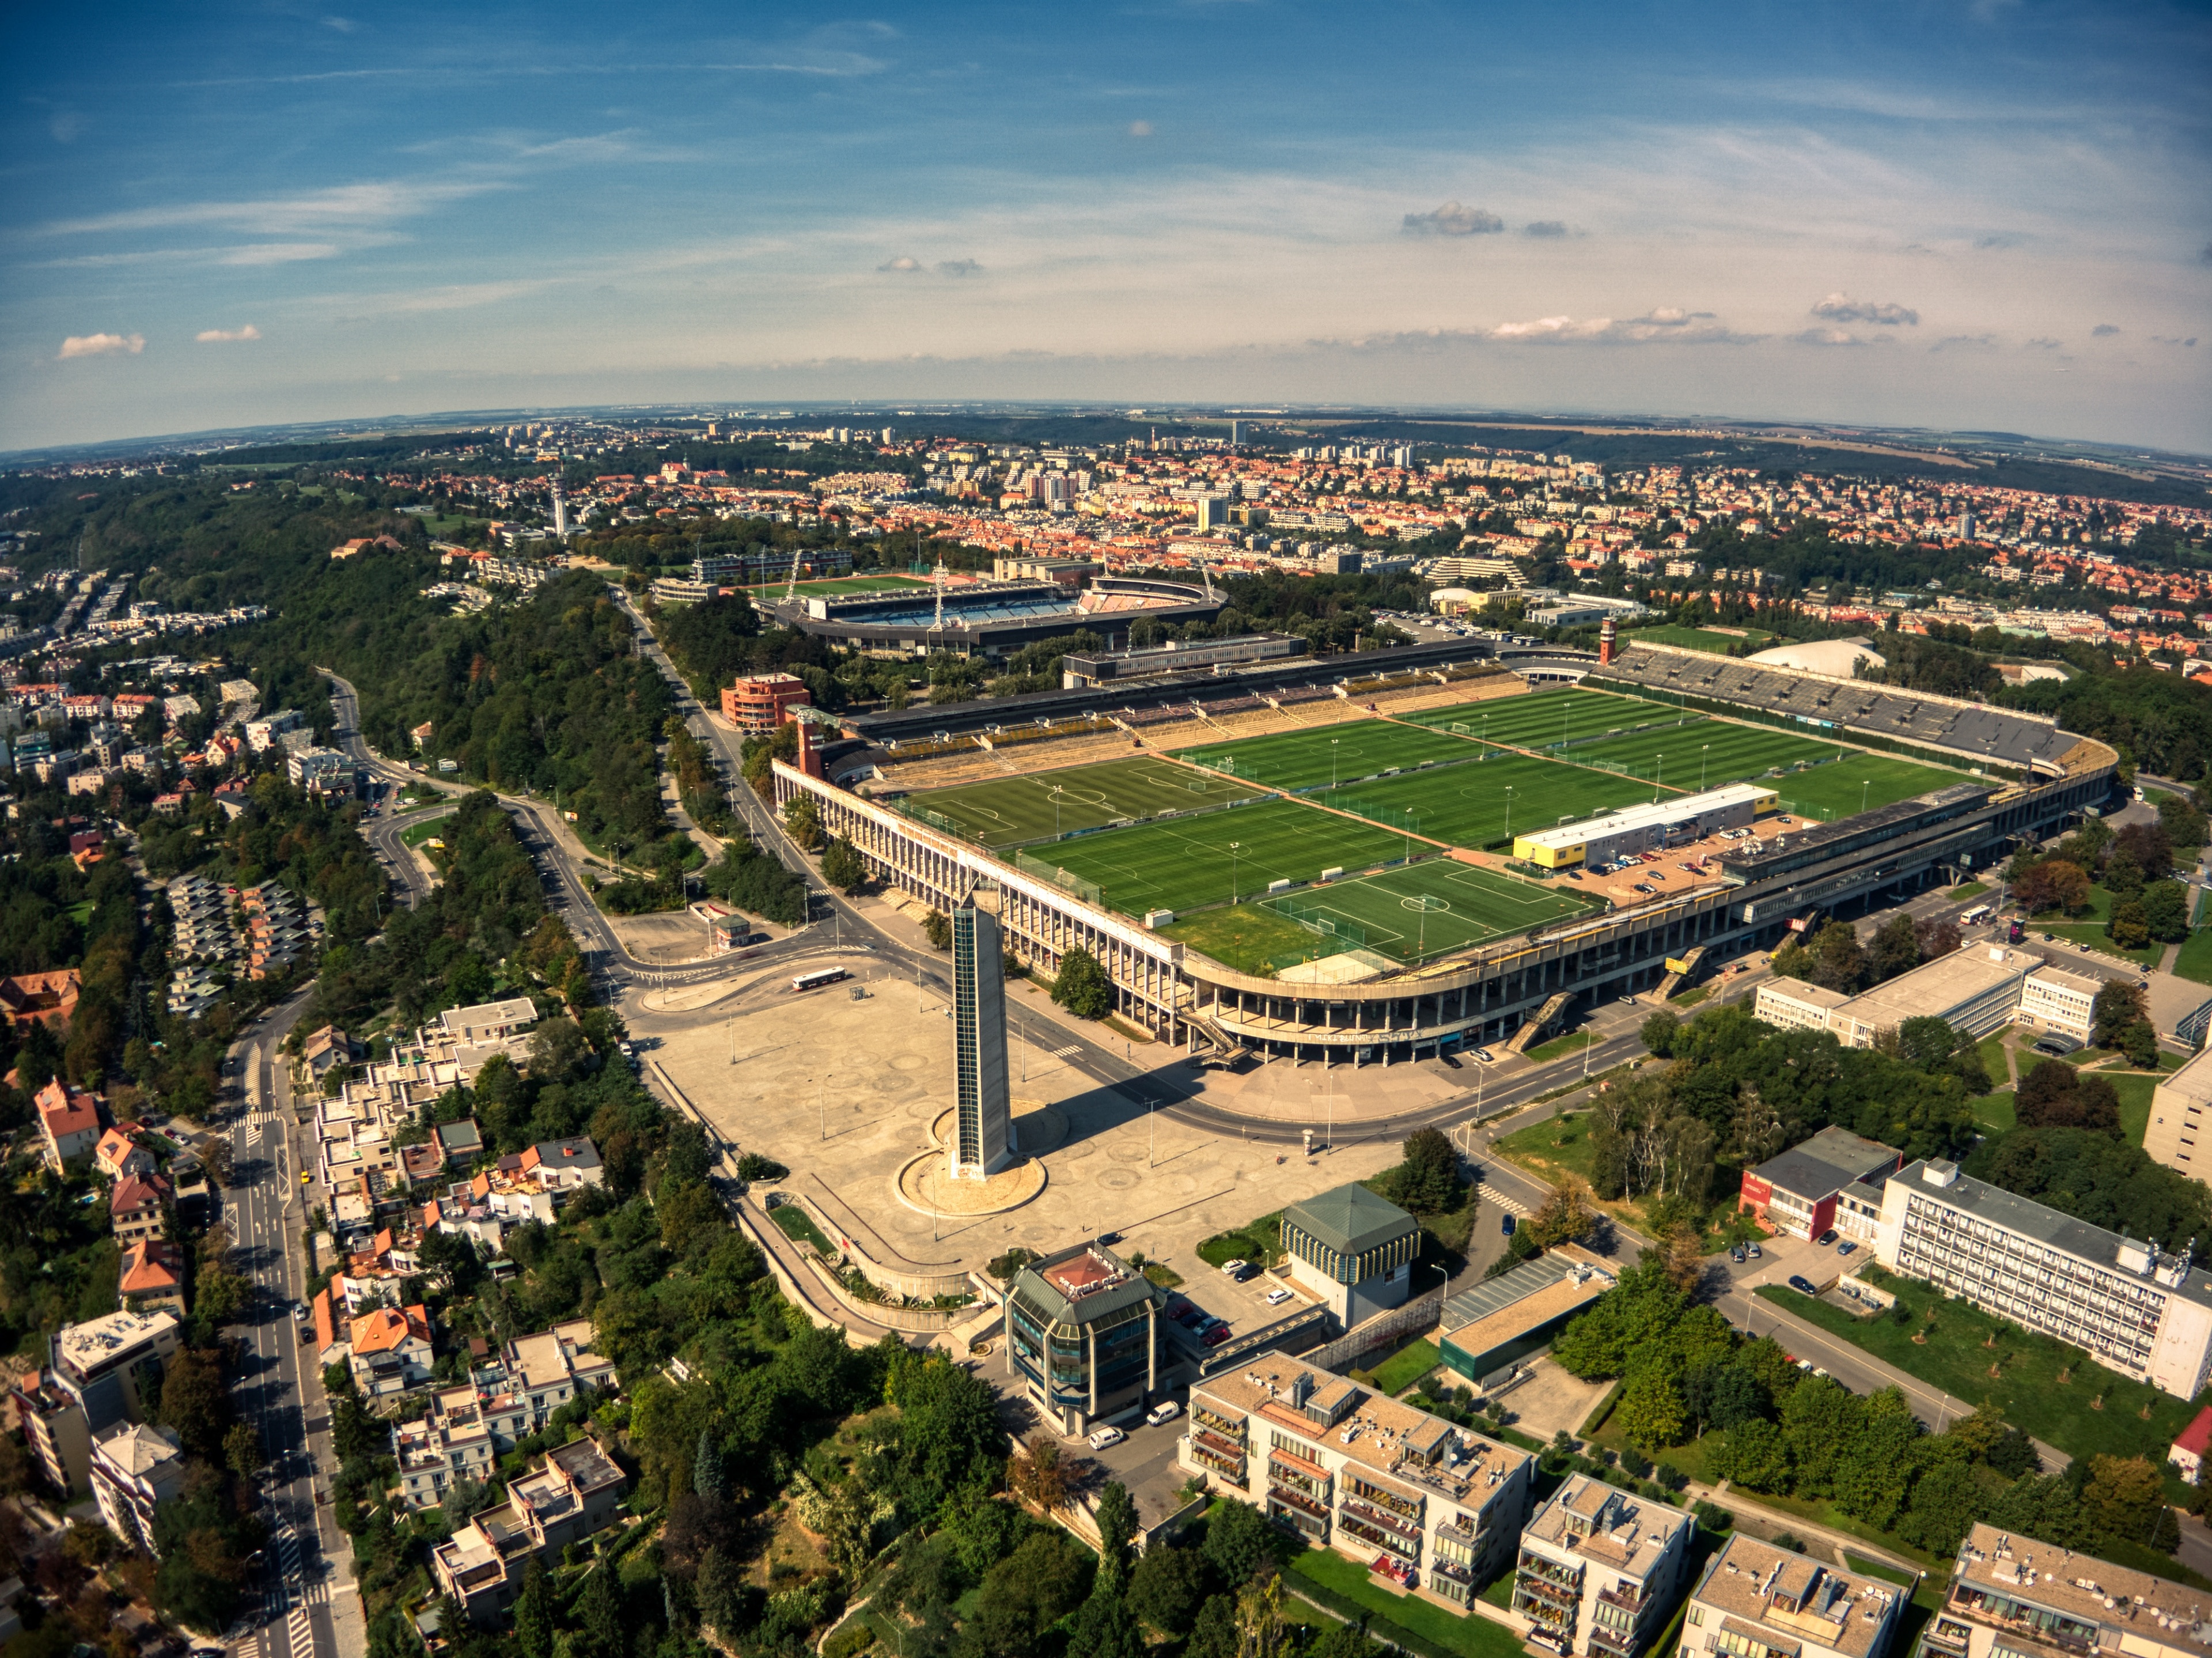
(1278, 1296)
(1574, 875)
(1736, 1255)
(1216, 1336)
(1485, 1055)
(1803, 1285)
(1105, 1436)
(1505, 1223)
(1753, 1248)
(1166, 1410)
(1846, 1246)
(1234, 1269)
(1825, 1238)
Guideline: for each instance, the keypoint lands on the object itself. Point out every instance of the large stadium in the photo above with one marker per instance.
(1381, 869)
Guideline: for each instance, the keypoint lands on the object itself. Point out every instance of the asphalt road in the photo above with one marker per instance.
(278, 1393)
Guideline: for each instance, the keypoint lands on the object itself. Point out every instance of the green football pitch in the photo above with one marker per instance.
(1837, 790)
(1479, 804)
(1320, 758)
(1545, 717)
(1679, 755)
(1182, 865)
(1409, 914)
(1035, 805)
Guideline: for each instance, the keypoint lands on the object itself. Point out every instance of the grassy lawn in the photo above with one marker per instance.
(416, 833)
(799, 1226)
(1704, 639)
(1035, 805)
(1708, 752)
(1256, 1240)
(1481, 803)
(1436, 1628)
(1243, 936)
(1971, 890)
(1329, 755)
(1992, 1051)
(1546, 717)
(1406, 1366)
(1573, 1042)
(1957, 1358)
(1994, 1113)
(2090, 935)
(1828, 793)
(2195, 960)
(1222, 857)
(2135, 1089)
(1690, 998)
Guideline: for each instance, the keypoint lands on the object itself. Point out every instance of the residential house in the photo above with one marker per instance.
(134, 1470)
(1756, 1598)
(390, 1351)
(564, 1165)
(134, 1207)
(106, 1371)
(324, 1049)
(117, 1154)
(451, 1443)
(1600, 1568)
(461, 1141)
(577, 1492)
(68, 1121)
(152, 1278)
(49, 996)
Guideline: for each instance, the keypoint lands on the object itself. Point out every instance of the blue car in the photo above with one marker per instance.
(1506, 1224)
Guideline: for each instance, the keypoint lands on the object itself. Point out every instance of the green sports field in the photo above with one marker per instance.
(1315, 759)
(1182, 865)
(830, 585)
(1477, 804)
(1834, 791)
(1035, 806)
(1545, 717)
(1702, 638)
(1720, 752)
(1410, 914)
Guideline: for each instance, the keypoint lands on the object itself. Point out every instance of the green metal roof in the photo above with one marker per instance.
(1351, 1219)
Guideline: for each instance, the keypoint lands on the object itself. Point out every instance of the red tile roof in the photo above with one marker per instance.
(2197, 1435)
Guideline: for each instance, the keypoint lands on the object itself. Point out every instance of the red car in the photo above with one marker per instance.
(1215, 1337)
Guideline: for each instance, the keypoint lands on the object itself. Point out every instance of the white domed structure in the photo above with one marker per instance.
(1837, 658)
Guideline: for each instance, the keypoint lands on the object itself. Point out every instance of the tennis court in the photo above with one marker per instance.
(1035, 805)
(1479, 804)
(1545, 717)
(1182, 865)
(1333, 754)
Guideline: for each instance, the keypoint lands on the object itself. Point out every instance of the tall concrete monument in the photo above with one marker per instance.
(983, 1133)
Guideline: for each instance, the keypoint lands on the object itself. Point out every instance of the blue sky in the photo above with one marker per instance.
(1996, 214)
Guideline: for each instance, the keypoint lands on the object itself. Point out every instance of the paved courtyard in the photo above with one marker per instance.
(842, 1092)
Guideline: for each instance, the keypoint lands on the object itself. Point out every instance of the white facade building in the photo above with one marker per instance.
(134, 1469)
(1600, 1568)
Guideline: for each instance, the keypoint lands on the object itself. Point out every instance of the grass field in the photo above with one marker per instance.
(1474, 805)
(1546, 717)
(1701, 639)
(1830, 791)
(1181, 866)
(2194, 960)
(1711, 748)
(1427, 909)
(1032, 805)
(1315, 759)
(830, 585)
(2027, 1384)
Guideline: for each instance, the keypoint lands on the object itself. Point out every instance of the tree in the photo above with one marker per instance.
(1427, 1180)
(802, 819)
(1239, 1541)
(1082, 986)
(557, 1049)
(708, 1478)
(1117, 1519)
(1754, 1457)
(1926, 1043)
(1261, 1630)
(1650, 1411)
(938, 930)
(2126, 1497)
(241, 1451)
(1040, 1477)
(2056, 884)
(1213, 1631)
(1895, 948)
(600, 1608)
(1105, 1627)
(2055, 1095)
(843, 867)
(1657, 1032)
(1166, 1588)
(2120, 1004)
(534, 1612)
(2183, 822)
(2166, 911)
(196, 1403)
(720, 1590)
(2129, 927)
(1839, 964)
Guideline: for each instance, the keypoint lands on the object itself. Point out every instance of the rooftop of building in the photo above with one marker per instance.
(1931, 991)
(137, 1449)
(1350, 1219)
(1618, 1529)
(2094, 1592)
(2197, 1436)
(1082, 1286)
(2190, 1085)
(1805, 991)
(513, 1010)
(2112, 1251)
(1655, 815)
(1778, 1592)
(1531, 1294)
(1391, 1438)
(1824, 1165)
(85, 1349)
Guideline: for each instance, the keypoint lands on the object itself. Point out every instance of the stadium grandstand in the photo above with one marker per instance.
(992, 619)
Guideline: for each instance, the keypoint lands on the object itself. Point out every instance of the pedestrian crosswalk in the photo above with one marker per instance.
(301, 1634)
(1507, 1201)
(1067, 1052)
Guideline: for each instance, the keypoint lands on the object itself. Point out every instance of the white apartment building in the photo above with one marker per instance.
(1756, 1600)
(2013, 1597)
(2178, 1106)
(2059, 1003)
(134, 1469)
(1795, 1004)
(2133, 1309)
(509, 1396)
(1600, 1568)
(1403, 1493)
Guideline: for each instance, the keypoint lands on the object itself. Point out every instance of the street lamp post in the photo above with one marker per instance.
(822, 1099)
(1508, 816)
(1659, 775)
(1863, 788)
(1332, 762)
(1233, 845)
(1702, 749)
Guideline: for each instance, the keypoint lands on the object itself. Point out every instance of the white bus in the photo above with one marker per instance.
(819, 977)
(1978, 913)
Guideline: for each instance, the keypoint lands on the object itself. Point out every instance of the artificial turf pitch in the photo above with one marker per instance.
(1543, 718)
(1484, 802)
(1180, 864)
(1318, 759)
(1035, 805)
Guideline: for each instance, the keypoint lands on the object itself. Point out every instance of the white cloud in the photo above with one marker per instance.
(903, 265)
(1966, 342)
(277, 252)
(102, 345)
(1841, 307)
(1454, 219)
(1140, 129)
(321, 210)
(1843, 336)
(1545, 228)
(1667, 325)
(216, 336)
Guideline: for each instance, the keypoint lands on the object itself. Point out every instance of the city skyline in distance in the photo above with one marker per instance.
(1990, 216)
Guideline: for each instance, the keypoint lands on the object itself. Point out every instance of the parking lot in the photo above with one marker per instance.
(1241, 1306)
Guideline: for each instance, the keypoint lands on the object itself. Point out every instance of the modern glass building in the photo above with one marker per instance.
(1083, 1331)
(983, 1135)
